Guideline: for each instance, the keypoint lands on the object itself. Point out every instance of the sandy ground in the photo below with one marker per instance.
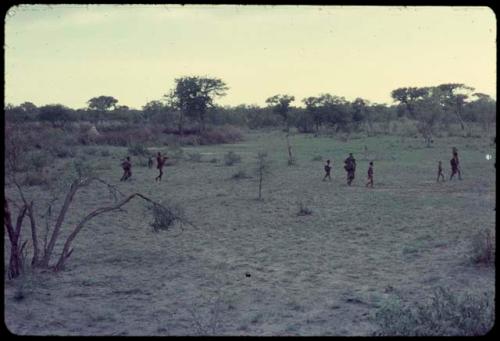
(254, 267)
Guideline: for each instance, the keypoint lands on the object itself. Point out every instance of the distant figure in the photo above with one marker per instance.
(440, 172)
(370, 175)
(127, 169)
(160, 162)
(350, 167)
(455, 165)
(328, 168)
(150, 162)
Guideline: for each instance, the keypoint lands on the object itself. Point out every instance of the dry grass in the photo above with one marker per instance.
(322, 274)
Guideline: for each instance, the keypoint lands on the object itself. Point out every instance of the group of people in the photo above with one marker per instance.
(350, 168)
(455, 167)
(127, 166)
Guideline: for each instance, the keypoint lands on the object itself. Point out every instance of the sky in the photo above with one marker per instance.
(68, 54)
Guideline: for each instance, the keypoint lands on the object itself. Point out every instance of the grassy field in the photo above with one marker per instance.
(252, 267)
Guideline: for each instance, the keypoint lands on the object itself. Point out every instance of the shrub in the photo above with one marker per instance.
(35, 179)
(444, 314)
(483, 247)
(195, 157)
(231, 158)
(304, 210)
(165, 217)
(39, 159)
(90, 150)
(317, 158)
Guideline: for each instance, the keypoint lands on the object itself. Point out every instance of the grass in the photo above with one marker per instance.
(409, 232)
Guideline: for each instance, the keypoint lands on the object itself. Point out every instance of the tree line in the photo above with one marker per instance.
(190, 107)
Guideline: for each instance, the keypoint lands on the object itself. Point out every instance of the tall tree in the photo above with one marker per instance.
(281, 106)
(453, 97)
(102, 103)
(57, 114)
(408, 97)
(313, 108)
(192, 96)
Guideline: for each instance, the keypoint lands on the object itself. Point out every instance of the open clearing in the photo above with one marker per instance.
(255, 267)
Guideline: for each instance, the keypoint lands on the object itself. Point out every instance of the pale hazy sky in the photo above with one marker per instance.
(70, 53)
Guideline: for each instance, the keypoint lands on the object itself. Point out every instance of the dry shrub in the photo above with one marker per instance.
(231, 158)
(483, 247)
(444, 314)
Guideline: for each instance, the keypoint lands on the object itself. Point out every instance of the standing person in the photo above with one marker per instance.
(455, 165)
(350, 167)
(370, 175)
(127, 169)
(440, 172)
(150, 162)
(160, 162)
(328, 168)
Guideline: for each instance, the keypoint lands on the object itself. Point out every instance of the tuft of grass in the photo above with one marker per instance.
(231, 158)
(304, 210)
(240, 174)
(443, 314)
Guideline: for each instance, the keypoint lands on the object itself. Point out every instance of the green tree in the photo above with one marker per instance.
(313, 107)
(281, 106)
(192, 96)
(408, 97)
(453, 97)
(56, 114)
(102, 103)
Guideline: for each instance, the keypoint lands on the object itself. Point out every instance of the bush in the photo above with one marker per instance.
(39, 159)
(445, 314)
(195, 157)
(35, 179)
(165, 217)
(231, 158)
(317, 158)
(483, 247)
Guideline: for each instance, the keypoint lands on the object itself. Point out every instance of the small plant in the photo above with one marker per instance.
(214, 160)
(194, 157)
(231, 158)
(304, 210)
(444, 314)
(317, 158)
(35, 179)
(165, 217)
(483, 247)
